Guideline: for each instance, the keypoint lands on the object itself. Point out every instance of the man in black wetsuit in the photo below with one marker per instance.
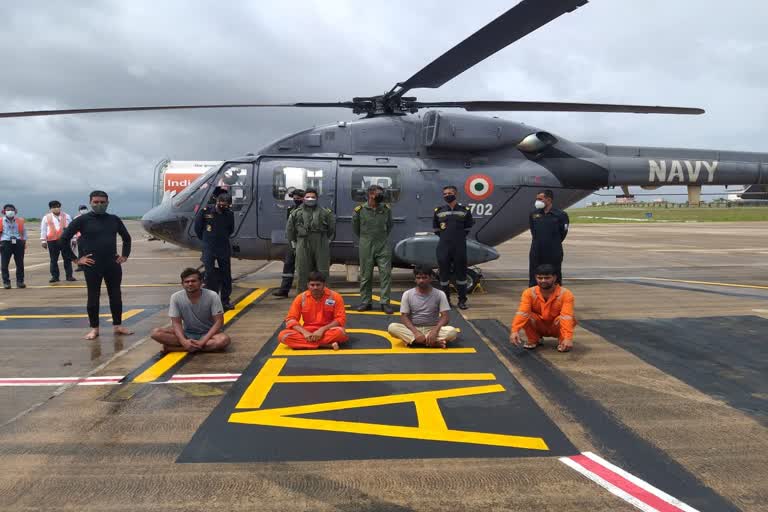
(98, 256)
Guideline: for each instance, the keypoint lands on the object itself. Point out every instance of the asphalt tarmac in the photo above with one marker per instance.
(663, 402)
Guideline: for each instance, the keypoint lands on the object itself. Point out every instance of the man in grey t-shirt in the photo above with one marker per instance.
(197, 317)
(424, 313)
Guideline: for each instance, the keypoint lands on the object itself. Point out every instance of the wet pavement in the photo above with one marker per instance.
(666, 382)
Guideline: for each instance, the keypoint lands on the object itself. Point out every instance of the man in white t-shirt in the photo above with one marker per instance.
(197, 317)
(424, 314)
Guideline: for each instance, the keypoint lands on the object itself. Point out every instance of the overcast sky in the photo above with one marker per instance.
(87, 53)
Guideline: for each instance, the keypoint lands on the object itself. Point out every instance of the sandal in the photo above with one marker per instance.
(531, 346)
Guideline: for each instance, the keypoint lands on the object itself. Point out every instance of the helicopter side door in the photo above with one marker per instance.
(277, 178)
(354, 179)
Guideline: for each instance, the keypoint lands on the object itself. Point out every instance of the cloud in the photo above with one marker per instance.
(98, 53)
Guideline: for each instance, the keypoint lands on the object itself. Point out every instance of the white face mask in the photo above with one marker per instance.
(83, 212)
(10, 214)
(539, 204)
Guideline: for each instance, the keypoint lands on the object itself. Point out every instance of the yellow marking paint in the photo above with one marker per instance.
(381, 377)
(240, 306)
(126, 315)
(374, 298)
(163, 365)
(731, 285)
(397, 347)
(261, 385)
(170, 359)
(431, 423)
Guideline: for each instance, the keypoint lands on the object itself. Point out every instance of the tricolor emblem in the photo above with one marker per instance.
(478, 187)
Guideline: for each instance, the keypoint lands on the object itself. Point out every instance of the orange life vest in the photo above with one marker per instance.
(19, 225)
(52, 234)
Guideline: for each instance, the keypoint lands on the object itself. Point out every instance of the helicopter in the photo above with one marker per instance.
(498, 165)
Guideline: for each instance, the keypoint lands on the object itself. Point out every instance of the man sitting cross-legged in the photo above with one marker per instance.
(197, 317)
(545, 310)
(424, 312)
(316, 317)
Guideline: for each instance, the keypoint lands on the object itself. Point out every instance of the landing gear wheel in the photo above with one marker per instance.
(474, 277)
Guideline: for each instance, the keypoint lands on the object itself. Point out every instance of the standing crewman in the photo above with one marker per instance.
(214, 224)
(13, 242)
(452, 222)
(311, 228)
(81, 210)
(289, 265)
(549, 227)
(372, 224)
(51, 227)
(98, 242)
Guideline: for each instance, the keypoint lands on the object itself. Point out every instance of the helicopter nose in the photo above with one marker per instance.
(160, 222)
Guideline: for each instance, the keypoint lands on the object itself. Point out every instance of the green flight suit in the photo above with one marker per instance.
(373, 226)
(312, 228)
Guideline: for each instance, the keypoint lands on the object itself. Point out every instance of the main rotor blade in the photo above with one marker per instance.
(37, 113)
(514, 24)
(553, 106)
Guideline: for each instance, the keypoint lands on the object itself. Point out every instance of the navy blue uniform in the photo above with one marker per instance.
(214, 228)
(289, 265)
(452, 225)
(548, 230)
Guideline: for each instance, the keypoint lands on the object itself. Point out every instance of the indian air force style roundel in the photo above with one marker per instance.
(478, 187)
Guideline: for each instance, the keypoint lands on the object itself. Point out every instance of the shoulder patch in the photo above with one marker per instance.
(328, 210)
(467, 208)
(387, 206)
(358, 207)
(437, 209)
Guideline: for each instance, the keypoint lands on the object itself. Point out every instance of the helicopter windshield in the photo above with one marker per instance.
(200, 184)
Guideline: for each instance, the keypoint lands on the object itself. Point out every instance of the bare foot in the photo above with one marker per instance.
(335, 346)
(92, 334)
(119, 329)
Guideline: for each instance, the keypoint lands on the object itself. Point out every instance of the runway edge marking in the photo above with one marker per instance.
(626, 486)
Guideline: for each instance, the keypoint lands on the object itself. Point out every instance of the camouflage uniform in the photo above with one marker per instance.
(373, 226)
(312, 228)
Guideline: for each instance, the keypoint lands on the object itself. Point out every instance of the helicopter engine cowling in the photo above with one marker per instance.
(465, 132)
(422, 250)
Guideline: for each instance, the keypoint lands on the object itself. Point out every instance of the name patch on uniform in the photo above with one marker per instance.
(330, 302)
(536, 215)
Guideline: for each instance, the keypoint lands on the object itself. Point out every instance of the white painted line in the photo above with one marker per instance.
(109, 380)
(626, 486)
(641, 483)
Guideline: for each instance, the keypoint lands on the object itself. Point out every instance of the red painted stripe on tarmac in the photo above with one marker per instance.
(625, 485)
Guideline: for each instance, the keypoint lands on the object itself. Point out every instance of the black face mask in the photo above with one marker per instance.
(298, 202)
(378, 198)
(449, 198)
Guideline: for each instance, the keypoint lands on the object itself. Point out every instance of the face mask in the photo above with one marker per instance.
(539, 205)
(55, 211)
(449, 198)
(83, 211)
(310, 201)
(10, 214)
(378, 198)
(297, 202)
(99, 208)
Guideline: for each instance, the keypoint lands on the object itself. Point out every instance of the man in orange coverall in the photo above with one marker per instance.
(316, 317)
(545, 310)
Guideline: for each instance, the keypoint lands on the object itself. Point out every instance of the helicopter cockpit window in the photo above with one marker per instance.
(197, 188)
(388, 179)
(236, 180)
(286, 179)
